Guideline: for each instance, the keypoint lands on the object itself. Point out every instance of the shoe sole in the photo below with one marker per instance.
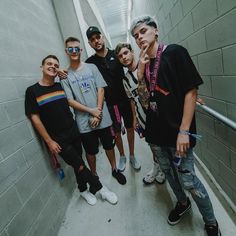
(147, 183)
(137, 169)
(118, 181)
(112, 202)
(162, 182)
(121, 170)
(104, 199)
(89, 203)
(183, 213)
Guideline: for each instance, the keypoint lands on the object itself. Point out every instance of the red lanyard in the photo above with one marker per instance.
(152, 79)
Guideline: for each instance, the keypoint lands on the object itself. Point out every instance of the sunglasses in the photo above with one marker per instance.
(73, 49)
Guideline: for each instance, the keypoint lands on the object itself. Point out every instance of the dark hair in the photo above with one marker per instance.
(71, 39)
(148, 20)
(119, 46)
(49, 56)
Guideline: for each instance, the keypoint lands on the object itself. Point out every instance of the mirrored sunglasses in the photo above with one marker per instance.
(73, 49)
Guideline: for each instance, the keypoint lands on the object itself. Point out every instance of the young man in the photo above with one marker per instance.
(172, 81)
(117, 101)
(125, 54)
(47, 108)
(84, 88)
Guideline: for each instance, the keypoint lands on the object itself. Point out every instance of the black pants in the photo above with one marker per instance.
(72, 155)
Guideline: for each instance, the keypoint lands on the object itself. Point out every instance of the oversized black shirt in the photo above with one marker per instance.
(51, 104)
(113, 73)
(176, 76)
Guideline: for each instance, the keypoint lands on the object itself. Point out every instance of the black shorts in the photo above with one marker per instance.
(119, 111)
(90, 140)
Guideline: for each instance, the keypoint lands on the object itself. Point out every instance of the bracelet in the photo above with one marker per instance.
(186, 132)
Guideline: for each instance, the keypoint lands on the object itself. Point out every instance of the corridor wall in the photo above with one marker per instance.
(206, 29)
(32, 200)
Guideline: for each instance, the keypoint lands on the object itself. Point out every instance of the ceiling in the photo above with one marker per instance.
(115, 17)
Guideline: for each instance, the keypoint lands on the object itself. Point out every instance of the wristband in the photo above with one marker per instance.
(185, 132)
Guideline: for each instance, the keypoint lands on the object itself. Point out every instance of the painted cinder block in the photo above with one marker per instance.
(204, 13)
(13, 138)
(10, 204)
(221, 32)
(11, 169)
(210, 63)
(26, 216)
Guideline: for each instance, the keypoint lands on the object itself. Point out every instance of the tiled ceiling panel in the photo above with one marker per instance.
(115, 16)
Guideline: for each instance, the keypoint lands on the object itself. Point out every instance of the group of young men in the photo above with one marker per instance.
(157, 97)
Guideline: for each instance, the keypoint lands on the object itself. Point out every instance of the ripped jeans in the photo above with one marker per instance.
(183, 178)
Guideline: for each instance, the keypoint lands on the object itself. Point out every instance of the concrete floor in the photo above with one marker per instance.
(141, 210)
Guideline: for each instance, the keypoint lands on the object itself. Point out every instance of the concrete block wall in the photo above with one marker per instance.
(32, 200)
(206, 29)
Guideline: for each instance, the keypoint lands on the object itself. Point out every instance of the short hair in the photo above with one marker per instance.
(148, 20)
(119, 46)
(49, 56)
(71, 39)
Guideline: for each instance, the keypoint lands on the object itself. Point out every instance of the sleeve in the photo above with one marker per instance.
(99, 81)
(67, 88)
(31, 105)
(189, 76)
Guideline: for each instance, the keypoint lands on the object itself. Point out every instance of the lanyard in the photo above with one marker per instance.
(152, 78)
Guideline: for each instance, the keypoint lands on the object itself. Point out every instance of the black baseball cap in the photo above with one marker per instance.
(92, 30)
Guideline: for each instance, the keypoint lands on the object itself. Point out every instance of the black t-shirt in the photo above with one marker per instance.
(176, 76)
(51, 104)
(113, 73)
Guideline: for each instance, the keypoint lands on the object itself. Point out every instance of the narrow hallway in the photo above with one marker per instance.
(141, 210)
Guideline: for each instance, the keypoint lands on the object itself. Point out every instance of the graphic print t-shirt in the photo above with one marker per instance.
(51, 104)
(131, 88)
(82, 85)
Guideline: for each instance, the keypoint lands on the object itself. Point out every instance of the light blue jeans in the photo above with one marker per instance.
(183, 178)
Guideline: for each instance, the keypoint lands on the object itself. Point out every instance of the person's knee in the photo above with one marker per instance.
(71, 156)
(108, 143)
(118, 136)
(189, 182)
(197, 193)
(91, 152)
(186, 179)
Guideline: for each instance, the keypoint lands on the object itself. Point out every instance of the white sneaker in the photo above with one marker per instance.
(122, 163)
(89, 197)
(134, 163)
(151, 175)
(107, 195)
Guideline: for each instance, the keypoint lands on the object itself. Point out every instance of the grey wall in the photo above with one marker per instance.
(32, 200)
(207, 29)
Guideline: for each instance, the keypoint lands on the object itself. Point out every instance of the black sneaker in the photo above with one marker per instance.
(213, 230)
(176, 214)
(119, 176)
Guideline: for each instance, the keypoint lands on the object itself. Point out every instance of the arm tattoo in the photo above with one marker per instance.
(143, 93)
